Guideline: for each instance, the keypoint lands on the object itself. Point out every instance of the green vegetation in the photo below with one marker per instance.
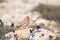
(42, 24)
(2, 1)
(8, 29)
(1, 23)
(4, 30)
(34, 26)
(2, 7)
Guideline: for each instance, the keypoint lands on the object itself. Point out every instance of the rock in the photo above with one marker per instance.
(53, 23)
(42, 21)
(42, 35)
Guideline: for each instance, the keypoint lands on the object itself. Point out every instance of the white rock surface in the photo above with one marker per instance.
(38, 35)
(42, 21)
(25, 33)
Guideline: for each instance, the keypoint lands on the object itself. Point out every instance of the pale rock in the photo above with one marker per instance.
(53, 23)
(42, 21)
(25, 33)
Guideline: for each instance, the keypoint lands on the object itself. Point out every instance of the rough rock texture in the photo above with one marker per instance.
(25, 34)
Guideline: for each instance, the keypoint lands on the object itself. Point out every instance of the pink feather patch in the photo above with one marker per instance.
(25, 22)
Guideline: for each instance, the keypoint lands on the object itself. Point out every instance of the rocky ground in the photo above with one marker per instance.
(24, 34)
(15, 11)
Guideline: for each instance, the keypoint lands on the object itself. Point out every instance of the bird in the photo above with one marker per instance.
(25, 22)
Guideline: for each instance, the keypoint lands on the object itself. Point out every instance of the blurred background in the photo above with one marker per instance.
(10, 10)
